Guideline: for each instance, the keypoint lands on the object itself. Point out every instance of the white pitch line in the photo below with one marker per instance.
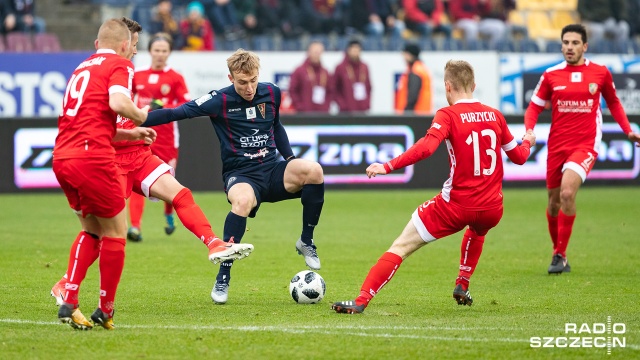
(317, 330)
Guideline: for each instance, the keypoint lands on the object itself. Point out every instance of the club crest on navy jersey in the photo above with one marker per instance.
(261, 108)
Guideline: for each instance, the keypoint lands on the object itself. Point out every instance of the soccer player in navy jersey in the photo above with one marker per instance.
(246, 118)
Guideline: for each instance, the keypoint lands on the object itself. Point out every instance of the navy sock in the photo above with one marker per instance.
(312, 200)
(234, 227)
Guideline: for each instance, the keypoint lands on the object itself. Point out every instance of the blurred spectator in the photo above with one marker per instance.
(7, 19)
(223, 18)
(323, 16)
(115, 9)
(426, 17)
(473, 17)
(414, 94)
(604, 19)
(375, 17)
(270, 17)
(196, 29)
(164, 21)
(309, 84)
(19, 15)
(351, 82)
(633, 9)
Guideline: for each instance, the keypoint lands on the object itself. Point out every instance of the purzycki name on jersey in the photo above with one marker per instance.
(480, 116)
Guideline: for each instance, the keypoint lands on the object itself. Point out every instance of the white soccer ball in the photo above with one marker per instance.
(307, 287)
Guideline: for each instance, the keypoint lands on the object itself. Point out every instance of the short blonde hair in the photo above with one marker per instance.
(244, 62)
(112, 32)
(460, 74)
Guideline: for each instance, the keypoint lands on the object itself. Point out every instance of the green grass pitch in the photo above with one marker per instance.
(164, 310)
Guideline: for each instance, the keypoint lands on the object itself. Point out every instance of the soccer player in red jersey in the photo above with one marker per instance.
(142, 172)
(164, 87)
(573, 88)
(472, 196)
(84, 164)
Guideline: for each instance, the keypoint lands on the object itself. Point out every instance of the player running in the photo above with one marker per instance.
(573, 87)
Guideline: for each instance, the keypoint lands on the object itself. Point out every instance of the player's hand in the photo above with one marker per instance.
(635, 137)
(156, 104)
(531, 137)
(146, 134)
(375, 169)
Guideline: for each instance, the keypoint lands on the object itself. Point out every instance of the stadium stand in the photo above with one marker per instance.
(70, 19)
(19, 42)
(46, 43)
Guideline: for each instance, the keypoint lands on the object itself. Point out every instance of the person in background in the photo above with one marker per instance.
(375, 18)
(196, 29)
(574, 88)
(414, 93)
(163, 20)
(22, 17)
(605, 19)
(426, 17)
(351, 81)
(309, 86)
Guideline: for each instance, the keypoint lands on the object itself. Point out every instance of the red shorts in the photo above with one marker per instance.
(91, 186)
(168, 154)
(139, 170)
(437, 218)
(579, 160)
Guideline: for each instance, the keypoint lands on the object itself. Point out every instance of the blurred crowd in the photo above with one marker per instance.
(200, 24)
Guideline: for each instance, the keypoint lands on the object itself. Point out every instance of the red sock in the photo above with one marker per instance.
(168, 208)
(470, 251)
(111, 266)
(379, 275)
(192, 216)
(136, 207)
(83, 253)
(565, 226)
(553, 229)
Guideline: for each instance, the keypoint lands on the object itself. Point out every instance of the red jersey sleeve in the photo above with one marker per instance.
(541, 94)
(614, 104)
(426, 146)
(516, 153)
(121, 79)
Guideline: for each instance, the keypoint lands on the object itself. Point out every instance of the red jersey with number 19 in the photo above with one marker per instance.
(87, 123)
(474, 134)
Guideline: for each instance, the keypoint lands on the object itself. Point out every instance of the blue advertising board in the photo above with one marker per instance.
(32, 85)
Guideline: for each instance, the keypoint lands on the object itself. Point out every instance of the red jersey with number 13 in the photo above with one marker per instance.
(87, 124)
(474, 134)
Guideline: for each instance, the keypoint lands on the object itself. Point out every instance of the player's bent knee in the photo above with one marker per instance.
(315, 173)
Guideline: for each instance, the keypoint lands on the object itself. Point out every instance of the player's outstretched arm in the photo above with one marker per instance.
(375, 169)
(519, 154)
(635, 137)
(123, 106)
(165, 116)
(135, 134)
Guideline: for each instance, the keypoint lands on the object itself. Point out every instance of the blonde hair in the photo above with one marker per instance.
(460, 74)
(112, 32)
(244, 62)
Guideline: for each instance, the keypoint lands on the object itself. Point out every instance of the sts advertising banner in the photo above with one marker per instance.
(33, 85)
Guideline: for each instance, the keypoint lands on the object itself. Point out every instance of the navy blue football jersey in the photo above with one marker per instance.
(250, 132)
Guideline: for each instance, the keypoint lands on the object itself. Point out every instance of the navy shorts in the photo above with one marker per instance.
(267, 181)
